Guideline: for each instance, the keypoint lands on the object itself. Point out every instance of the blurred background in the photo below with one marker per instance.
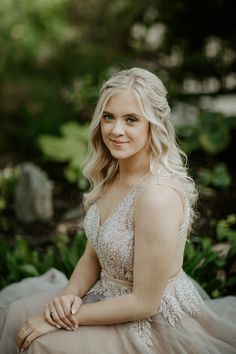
(54, 55)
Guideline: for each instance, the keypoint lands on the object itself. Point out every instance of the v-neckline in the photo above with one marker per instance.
(117, 208)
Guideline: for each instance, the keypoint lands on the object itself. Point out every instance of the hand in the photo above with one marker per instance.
(33, 328)
(58, 312)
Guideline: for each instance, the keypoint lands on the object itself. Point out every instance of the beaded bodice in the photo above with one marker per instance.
(114, 245)
(114, 239)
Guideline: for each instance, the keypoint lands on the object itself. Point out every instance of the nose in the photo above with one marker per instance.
(117, 128)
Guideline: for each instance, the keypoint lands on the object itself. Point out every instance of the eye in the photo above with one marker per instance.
(107, 116)
(131, 120)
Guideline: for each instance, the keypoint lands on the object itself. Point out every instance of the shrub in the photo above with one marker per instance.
(71, 147)
(21, 261)
(211, 133)
(218, 177)
(212, 264)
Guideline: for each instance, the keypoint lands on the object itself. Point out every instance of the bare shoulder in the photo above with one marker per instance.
(157, 196)
(159, 204)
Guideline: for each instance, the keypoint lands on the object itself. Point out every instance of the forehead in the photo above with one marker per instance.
(125, 102)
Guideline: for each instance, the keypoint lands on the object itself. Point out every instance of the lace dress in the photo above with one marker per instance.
(185, 322)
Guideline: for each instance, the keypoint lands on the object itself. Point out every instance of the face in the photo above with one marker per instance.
(125, 131)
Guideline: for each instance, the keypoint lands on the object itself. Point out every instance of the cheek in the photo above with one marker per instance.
(142, 135)
(145, 139)
(103, 130)
(147, 134)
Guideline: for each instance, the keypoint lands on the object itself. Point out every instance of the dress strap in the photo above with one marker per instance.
(165, 178)
(140, 187)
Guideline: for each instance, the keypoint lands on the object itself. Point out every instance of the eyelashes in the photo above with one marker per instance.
(129, 119)
(107, 116)
(132, 120)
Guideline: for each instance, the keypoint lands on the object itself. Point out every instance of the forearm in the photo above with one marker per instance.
(124, 308)
(84, 276)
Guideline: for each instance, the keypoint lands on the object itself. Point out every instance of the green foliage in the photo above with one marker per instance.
(34, 30)
(69, 252)
(84, 93)
(212, 264)
(21, 261)
(202, 262)
(17, 262)
(219, 177)
(226, 229)
(49, 46)
(226, 233)
(211, 133)
(8, 180)
(33, 46)
(71, 147)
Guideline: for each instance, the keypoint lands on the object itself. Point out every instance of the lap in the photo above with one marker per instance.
(31, 305)
(87, 339)
(13, 317)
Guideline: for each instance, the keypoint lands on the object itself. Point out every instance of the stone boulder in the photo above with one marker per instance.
(33, 199)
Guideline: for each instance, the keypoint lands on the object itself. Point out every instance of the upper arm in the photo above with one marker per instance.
(158, 215)
(89, 251)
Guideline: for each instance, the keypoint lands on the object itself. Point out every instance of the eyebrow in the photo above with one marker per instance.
(125, 115)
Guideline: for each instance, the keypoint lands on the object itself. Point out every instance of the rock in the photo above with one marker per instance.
(76, 213)
(33, 199)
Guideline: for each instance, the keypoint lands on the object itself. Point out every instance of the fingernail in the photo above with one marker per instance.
(58, 326)
(73, 311)
(68, 328)
(76, 326)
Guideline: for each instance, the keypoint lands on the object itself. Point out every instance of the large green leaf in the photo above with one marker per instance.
(71, 147)
(214, 141)
(75, 131)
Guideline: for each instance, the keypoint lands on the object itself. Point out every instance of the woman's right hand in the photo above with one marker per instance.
(59, 309)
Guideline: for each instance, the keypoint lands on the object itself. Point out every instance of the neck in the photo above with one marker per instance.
(134, 168)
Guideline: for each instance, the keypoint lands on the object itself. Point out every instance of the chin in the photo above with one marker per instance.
(119, 156)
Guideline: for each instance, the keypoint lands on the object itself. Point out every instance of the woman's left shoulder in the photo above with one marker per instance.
(159, 212)
(157, 197)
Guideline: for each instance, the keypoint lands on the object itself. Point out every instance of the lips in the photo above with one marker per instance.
(118, 142)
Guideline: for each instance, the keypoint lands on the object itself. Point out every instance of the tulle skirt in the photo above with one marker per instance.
(213, 331)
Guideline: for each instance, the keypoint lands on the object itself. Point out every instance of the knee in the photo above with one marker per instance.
(15, 308)
(16, 314)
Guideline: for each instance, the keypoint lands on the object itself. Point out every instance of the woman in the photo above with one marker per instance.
(128, 292)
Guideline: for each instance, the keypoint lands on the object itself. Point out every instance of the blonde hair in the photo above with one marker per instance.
(101, 167)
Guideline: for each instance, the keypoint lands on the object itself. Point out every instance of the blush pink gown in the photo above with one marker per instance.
(186, 322)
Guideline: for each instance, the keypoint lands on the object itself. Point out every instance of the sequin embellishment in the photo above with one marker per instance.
(114, 245)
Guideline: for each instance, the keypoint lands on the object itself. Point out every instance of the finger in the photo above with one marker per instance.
(74, 320)
(59, 321)
(56, 313)
(49, 318)
(54, 316)
(66, 304)
(22, 335)
(60, 314)
(76, 305)
(29, 339)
